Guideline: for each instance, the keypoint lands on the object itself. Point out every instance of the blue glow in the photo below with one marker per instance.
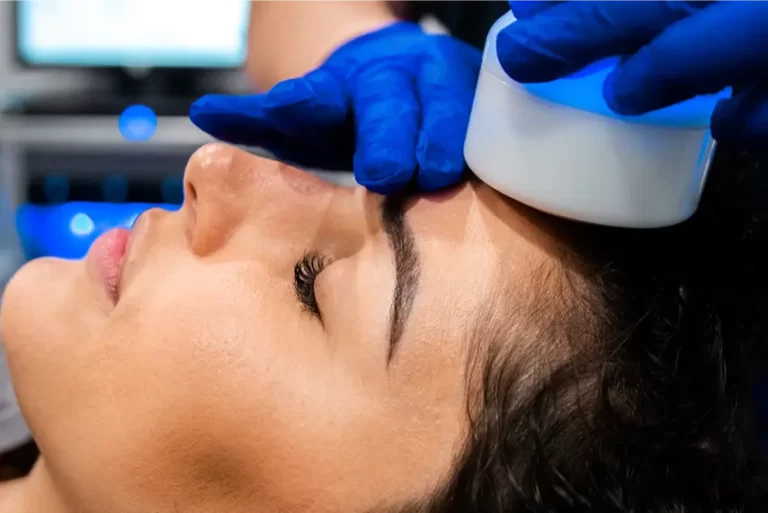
(67, 230)
(137, 123)
(584, 91)
(81, 225)
(131, 221)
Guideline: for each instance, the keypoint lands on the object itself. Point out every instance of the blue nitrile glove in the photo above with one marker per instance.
(672, 51)
(392, 105)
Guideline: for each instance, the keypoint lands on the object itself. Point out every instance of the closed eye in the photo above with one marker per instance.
(305, 272)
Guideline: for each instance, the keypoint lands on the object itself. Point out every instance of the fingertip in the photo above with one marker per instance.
(207, 101)
(632, 88)
(439, 167)
(226, 103)
(616, 102)
(202, 107)
(435, 181)
(513, 55)
(382, 173)
(387, 114)
(233, 119)
(527, 61)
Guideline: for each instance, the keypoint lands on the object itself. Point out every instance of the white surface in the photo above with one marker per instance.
(580, 165)
(133, 33)
(15, 79)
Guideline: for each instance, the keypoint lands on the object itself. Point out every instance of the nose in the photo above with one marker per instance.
(226, 188)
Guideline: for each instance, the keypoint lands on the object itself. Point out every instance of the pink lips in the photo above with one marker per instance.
(106, 256)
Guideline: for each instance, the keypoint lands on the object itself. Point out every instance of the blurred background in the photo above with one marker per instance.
(94, 99)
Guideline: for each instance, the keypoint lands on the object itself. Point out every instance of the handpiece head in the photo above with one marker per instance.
(559, 148)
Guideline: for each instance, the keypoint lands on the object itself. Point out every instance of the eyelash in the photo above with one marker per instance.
(305, 272)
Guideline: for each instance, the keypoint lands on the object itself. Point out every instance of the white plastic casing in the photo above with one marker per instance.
(578, 164)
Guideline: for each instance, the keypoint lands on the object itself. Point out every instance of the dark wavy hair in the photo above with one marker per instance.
(652, 410)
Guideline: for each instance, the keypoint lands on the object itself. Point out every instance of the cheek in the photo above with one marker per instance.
(48, 311)
(189, 378)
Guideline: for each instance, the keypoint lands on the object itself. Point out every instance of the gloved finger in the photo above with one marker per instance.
(563, 39)
(446, 97)
(743, 119)
(386, 126)
(699, 55)
(233, 119)
(523, 9)
(241, 120)
(302, 106)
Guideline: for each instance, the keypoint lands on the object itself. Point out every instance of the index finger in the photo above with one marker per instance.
(563, 39)
(723, 46)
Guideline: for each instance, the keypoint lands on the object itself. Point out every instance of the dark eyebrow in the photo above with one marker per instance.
(407, 267)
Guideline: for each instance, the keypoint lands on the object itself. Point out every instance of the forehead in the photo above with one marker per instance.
(481, 237)
(478, 251)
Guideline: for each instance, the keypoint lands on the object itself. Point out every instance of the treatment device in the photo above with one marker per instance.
(558, 147)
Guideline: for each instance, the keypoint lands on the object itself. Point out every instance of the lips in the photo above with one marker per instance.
(106, 256)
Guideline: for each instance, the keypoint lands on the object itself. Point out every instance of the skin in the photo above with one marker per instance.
(289, 38)
(208, 387)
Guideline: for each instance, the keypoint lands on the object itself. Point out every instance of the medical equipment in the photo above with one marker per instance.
(671, 51)
(130, 51)
(559, 148)
(131, 34)
(69, 229)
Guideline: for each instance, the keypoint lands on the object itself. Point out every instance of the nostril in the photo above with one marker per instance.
(190, 193)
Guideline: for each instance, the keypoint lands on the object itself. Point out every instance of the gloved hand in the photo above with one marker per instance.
(672, 51)
(390, 104)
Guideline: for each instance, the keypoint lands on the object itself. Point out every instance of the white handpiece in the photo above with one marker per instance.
(557, 147)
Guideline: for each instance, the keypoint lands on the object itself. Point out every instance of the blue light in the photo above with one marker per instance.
(81, 225)
(584, 90)
(137, 123)
(130, 221)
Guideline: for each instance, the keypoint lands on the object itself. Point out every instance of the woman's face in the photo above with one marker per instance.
(203, 381)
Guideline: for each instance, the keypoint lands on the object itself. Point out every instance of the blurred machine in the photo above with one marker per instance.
(56, 166)
(148, 52)
(63, 145)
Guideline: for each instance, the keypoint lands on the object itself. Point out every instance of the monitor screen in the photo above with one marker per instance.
(132, 33)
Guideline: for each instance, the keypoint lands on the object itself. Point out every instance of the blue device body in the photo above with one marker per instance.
(68, 230)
